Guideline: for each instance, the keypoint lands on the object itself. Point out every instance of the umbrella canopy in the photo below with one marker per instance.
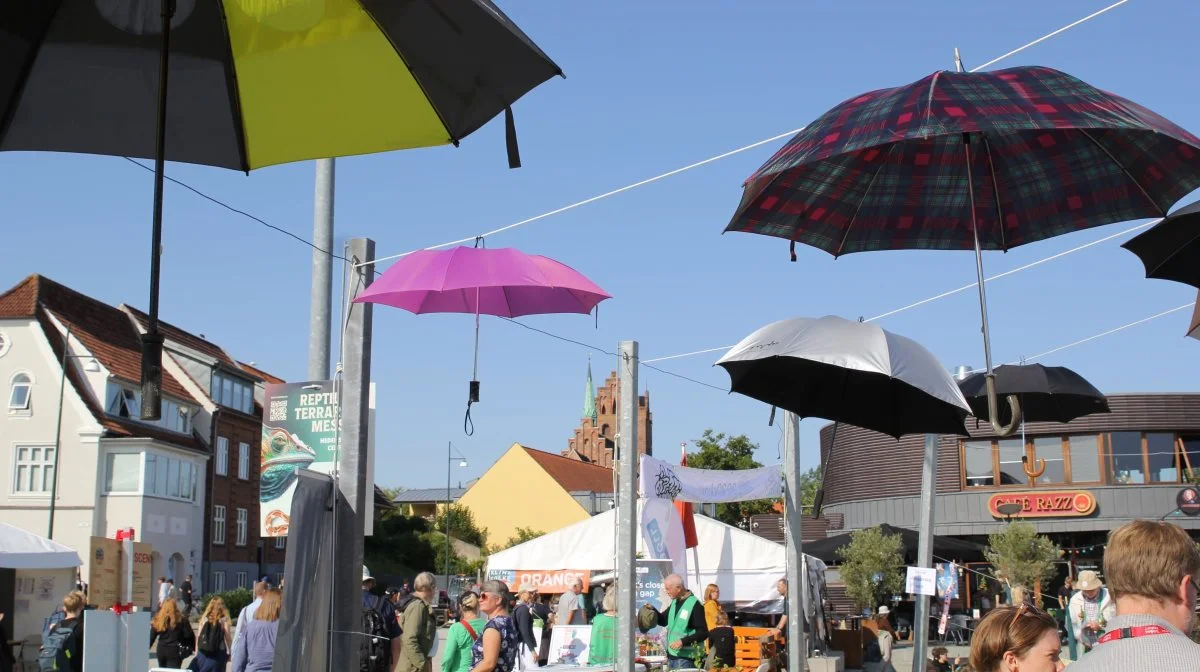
(503, 282)
(979, 161)
(255, 83)
(947, 547)
(846, 371)
(1194, 328)
(1171, 249)
(1048, 393)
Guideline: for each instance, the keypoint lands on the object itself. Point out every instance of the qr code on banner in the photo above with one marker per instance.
(279, 409)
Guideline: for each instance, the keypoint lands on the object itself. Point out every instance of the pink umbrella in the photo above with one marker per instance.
(504, 282)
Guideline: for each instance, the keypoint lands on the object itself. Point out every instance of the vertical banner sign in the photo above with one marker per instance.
(143, 573)
(662, 533)
(947, 589)
(299, 431)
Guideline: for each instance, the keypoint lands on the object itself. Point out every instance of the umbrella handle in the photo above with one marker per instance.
(1014, 405)
(1036, 472)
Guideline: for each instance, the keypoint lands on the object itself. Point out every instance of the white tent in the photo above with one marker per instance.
(744, 566)
(20, 549)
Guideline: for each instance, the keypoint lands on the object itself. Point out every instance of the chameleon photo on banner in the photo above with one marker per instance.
(299, 431)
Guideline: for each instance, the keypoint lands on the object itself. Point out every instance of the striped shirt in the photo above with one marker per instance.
(1174, 652)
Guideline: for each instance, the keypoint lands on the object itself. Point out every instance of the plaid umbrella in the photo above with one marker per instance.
(960, 161)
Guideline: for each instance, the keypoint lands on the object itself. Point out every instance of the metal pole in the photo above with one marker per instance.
(627, 456)
(792, 511)
(925, 551)
(446, 515)
(152, 341)
(322, 272)
(62, 387)
(352, 461)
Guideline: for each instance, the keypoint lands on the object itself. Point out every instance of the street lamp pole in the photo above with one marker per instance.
(446, 514)
(62, 388)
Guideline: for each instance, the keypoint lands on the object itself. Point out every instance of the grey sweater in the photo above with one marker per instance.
(1157, 653)
(254, 650)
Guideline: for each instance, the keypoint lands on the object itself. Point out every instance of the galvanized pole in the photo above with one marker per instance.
(322, 272)
(925, 550)
(795, 565)
(353, 488)
(62, 389)
(627, 529)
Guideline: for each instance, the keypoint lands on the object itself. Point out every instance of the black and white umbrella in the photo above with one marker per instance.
(1047, 393)
(846, 371)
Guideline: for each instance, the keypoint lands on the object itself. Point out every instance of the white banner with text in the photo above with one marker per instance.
(663, 480)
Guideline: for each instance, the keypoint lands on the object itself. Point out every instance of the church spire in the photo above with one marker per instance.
(589, 395)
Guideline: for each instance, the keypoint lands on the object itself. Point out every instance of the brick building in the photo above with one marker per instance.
(595, 437)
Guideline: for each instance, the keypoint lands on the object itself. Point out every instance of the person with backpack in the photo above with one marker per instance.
(419, 627)
(530, 622)
(462, 635)
(62, 647)
(381, 647)
(174, 635)
(215, 640)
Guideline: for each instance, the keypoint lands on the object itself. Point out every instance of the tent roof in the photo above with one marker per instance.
(21, 549)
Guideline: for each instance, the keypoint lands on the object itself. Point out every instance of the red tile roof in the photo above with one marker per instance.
(573, 475)
(108, 335)
(255, 371)
(185, 338)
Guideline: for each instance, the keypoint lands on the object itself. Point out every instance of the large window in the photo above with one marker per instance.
(33, 470)
(222, 467)
(1161, 458)
(977, 462)
(124, 402)
(244, 461)
(20, 389)
(1074, 459)
(218, 525)
(1189, 456)
(1128, 463)
(171, 477)
(1084, 453)
(121, 472)
(243, 523)
(1050, 449)
(1012, 466)
(232, 392)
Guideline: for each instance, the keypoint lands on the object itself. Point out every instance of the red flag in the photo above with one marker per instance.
(686, 514)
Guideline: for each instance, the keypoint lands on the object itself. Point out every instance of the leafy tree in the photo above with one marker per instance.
(718, 451)
(810, 482)
(458, 564)
(462, 525)
(872, 567)
(523, 535)
(1022, 555)
(397, 546)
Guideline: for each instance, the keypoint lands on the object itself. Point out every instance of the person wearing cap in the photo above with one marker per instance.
(1091, 608)
(385, 609)
(523, 617)
(886, 637)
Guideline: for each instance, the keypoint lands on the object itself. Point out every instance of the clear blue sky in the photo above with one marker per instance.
(650, 87)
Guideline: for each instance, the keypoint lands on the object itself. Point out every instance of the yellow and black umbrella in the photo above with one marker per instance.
(245, 84)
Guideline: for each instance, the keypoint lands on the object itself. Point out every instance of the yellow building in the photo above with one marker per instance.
(537, 490)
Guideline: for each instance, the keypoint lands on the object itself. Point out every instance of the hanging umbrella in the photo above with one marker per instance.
(1171, 249)
(1047, 393)
(960, 161)
(504, 282)
(254, 83)
(846, 371)
(1194, 328)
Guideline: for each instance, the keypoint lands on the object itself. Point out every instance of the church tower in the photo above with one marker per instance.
(595, 437)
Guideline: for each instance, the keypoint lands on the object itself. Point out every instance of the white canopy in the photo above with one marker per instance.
(21, 549)
(744, 566)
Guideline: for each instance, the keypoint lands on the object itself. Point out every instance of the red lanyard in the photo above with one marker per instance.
(1130, 633)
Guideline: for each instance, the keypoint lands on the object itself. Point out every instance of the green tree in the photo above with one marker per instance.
(523, 535)
(1022, 555)
(810, 482)
(872, 567)
(397, 546)
(718, 451)
(462, 525)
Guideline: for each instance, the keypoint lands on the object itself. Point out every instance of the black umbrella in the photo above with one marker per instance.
(1047, 393)
(1171, 249)
(946, 547)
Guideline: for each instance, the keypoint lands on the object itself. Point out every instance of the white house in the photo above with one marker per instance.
(114, 470)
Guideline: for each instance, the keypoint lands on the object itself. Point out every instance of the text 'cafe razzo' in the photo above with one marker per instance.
(1074, 482)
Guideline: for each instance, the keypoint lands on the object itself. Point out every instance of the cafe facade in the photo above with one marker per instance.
(1074, 482)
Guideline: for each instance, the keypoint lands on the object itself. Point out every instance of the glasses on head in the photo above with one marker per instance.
(1025, 608)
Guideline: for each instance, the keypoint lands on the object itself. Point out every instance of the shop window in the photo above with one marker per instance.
(1084, 453)
(1012, 469)
(1127, 460)
(1050, 449)
(1189, 457)
(977, 462)
(1160, 454)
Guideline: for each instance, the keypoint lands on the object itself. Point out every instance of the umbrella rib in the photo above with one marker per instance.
(987, 146)
(234, 93)
(866, 192)
(1161, 211)
(18, 91)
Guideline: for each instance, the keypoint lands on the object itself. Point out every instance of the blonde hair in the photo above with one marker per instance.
(722, 618)
(73, 602)
(1015, 629)
(610, 599)
(470, 603)
(709, 590)
(167, 617)
(268, 609)
(216, 611)
(1148, 559)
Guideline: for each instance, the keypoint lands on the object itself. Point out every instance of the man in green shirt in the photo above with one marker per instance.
(685, 624)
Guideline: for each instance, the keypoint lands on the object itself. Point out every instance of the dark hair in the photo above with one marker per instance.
(1005, 629)
(938, 651)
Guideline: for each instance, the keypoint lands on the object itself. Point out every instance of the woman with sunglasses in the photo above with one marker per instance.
(463, 634)
(1016, 639)
(496, 648)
